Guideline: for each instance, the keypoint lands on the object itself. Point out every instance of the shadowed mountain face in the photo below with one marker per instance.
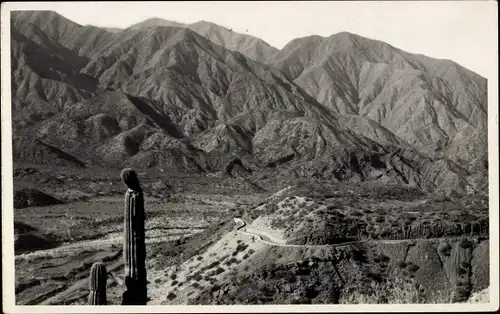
(198, 97)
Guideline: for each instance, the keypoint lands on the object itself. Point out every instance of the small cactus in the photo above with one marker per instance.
(134, 251)
(97, 285)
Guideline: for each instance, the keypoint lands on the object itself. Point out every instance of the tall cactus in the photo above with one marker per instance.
(97, 285)
(134, 250)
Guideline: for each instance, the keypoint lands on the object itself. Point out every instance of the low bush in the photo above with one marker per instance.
(465, 243)
(444, 249)
(212, 265)
(413, 268)
(462, 293)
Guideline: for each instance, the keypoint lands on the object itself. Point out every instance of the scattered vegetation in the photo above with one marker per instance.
(444, 248)
(465, 243)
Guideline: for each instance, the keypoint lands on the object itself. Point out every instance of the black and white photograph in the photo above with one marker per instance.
(290, 155)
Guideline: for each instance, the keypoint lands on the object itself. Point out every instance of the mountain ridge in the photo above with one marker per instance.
(170, 97)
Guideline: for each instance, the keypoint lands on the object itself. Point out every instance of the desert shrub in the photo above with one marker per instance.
(197, 277)
(413, 268)
(331, 207)
(175, 282)
(461, 294)
(246, 256)
(195, 284)
(375, 276)
(465, 243)
(400, 292)
(321, 212)
(358, 255)
(171, 296)
(219, 270)
(212, 265)
(444, 249)
(199, 258)
(402, 264)
(383, 258)
(464, 283)
(370, 229)
(240, 248)
(357, 214)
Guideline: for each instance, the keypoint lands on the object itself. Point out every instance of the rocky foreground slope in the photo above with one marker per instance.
(201, 97)
(319, 242)
(276, 259)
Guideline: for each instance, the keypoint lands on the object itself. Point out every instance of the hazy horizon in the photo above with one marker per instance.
(435, 29)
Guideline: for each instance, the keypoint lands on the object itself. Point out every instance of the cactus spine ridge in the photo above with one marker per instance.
(97, 284)
(134, 250)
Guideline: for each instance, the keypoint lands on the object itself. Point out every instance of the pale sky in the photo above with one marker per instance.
(463, 31)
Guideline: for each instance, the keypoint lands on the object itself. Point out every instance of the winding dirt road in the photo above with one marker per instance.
(265, 239)
(240, 224)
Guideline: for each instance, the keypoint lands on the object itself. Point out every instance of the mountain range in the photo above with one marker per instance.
(202, 98)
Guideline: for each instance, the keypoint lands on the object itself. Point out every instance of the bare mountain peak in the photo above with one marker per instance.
(305, 39)
(207, 25)
(41, 16)
(154, 21)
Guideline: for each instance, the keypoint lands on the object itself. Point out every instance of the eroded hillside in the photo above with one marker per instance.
(192, 97)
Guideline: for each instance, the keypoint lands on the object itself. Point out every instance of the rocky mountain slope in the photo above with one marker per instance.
(429, 103)
(197, 99)
(252, 47)
(321, 263)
